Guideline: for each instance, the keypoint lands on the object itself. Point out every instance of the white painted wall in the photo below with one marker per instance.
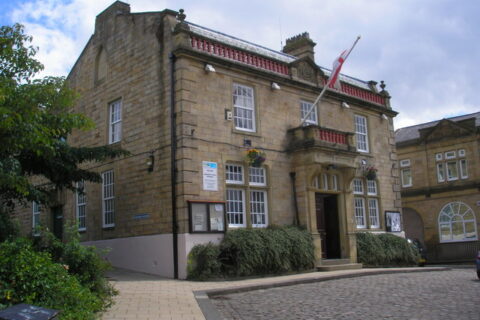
(148, 254)
(186, 241)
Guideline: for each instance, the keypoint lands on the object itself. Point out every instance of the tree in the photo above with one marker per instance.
(34, 126)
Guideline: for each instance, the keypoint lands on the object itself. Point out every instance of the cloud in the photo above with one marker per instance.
(425, 51)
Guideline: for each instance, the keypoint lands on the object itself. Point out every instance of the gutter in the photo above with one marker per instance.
(173, 136)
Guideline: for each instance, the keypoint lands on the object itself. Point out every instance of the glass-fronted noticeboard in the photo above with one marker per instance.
(207, 216)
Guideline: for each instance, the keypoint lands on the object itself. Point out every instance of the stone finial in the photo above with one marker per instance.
(181, 15)
(382, 85)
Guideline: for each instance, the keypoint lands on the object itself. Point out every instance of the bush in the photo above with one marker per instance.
(84, 262)
(203, 262)
(27, 276)
(385, 250)
(247, 252)
(8, 228)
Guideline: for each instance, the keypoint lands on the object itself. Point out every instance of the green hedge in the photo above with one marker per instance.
(385, 250)
(248, 252)
(28, 276)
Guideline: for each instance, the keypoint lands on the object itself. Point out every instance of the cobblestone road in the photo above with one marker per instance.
(453, 294)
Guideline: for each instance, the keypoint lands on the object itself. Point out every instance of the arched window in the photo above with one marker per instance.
(456, 222)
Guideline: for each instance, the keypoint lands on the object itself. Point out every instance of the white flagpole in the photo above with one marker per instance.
(326, 86)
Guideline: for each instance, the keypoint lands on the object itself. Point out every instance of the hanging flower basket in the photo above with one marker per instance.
(255, 157)
(370, 173)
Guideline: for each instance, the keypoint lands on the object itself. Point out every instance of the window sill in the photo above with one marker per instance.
(457, 241)
(248, 133)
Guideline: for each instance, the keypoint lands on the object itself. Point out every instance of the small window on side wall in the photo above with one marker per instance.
(207, 217)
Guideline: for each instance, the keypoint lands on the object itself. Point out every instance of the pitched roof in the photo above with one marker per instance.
(413, 132)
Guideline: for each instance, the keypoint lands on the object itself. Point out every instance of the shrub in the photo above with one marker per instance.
(31, 277)
(398, 251)
(8, 228)
(247, 252)
(385, 250)
(203, 262)
(84, 262)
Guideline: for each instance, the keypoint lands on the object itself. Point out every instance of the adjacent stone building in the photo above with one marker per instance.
(214, 127)
(440, 173)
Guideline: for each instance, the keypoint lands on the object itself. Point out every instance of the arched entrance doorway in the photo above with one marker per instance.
(413, 225)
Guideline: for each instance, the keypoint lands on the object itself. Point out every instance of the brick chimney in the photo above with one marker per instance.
(300, 46)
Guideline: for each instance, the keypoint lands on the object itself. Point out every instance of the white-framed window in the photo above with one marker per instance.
(246, 194)
(257, 176)
(453, 167)
(236, 207)
(35, 218)
(405, 163)
(373, 213)
(243, 108)
(361, 133)
(108, 197)
(452, 170)
(366, 202)
(406, 176)
(115, 122)
(234, 174)
(450, 155)
(371, 187)
(312, 117)
(440, 172)
(81, 206)
(359, 204)
(456, 222)
(258, 208)
(463, 169)
(357, 186)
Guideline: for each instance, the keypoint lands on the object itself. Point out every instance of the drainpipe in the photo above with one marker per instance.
(294, 191)
(173, 135)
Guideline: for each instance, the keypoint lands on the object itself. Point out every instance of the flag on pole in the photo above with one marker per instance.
(334, 81)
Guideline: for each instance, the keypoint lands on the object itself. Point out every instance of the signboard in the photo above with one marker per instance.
(392, 221)
(207, 216)
(210, 176)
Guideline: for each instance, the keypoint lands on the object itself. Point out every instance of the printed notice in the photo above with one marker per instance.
(210, 177)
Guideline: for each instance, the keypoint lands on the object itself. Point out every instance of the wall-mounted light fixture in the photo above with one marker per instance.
(345, 105)
(209, 68)
(150, 162)
(275, 86)
(384, 116)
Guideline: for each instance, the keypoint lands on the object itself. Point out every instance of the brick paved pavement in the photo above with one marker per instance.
(144, 297)
(453, 294)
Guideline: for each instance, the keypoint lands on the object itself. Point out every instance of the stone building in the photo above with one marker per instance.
(189, 103)
(440, 174)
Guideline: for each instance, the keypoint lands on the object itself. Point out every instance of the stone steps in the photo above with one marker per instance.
(338, 264)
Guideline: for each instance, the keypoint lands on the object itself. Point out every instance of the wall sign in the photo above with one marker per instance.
(393, 221)
(210, 176)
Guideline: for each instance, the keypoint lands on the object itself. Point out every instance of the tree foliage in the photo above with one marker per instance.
(34, 125)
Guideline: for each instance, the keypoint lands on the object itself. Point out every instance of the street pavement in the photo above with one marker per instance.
(145, 297)
(452, 294)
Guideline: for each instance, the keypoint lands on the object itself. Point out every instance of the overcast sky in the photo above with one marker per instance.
(426, 51)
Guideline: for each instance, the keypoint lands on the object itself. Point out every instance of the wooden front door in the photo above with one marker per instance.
(328, 225)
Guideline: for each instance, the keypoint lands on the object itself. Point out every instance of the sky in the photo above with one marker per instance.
(426, 51)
